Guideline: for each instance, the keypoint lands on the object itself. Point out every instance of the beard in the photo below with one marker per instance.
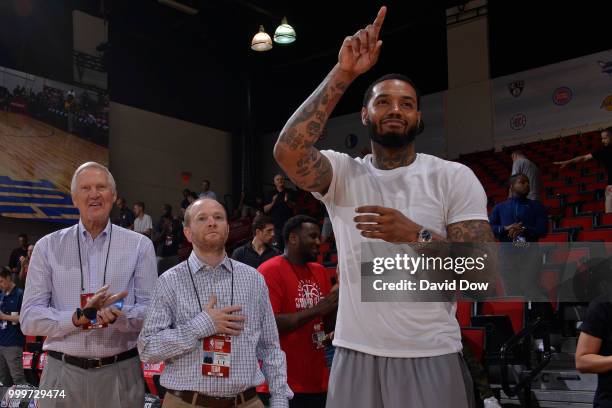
(308, 256)
(392, 140)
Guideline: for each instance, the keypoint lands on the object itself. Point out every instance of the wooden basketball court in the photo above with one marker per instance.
(36, 165)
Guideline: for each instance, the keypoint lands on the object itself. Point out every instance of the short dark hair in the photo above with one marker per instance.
(368, 93)
(518, 153)
(295, 223)
(260, 221)
(140, 204)
(515, 177)
(6, 273)
(608, 130)
(23, 235)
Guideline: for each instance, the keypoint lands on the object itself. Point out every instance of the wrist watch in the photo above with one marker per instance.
(79, 313)
(424, 236)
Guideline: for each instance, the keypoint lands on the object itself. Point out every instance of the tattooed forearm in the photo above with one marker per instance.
(294, 150)
(478, 243)
(470, 231)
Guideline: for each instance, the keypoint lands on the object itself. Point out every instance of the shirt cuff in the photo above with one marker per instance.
(278, 401)
(65, 322)
(203, 325)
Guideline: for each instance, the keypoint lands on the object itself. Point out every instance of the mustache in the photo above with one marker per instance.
(392, 140)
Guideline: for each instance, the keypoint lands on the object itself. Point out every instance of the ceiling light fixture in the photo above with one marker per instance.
(284, 34)
(261, 40)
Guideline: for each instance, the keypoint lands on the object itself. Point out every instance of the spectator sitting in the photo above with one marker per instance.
(142, 222)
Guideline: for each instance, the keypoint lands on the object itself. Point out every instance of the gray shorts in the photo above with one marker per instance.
(364, 380)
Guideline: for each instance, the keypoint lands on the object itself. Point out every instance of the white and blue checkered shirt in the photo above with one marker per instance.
(53, 288)
(175, 326)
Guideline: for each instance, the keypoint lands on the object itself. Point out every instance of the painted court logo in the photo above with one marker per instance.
(518, 121)
(562, 96)
(516, 88)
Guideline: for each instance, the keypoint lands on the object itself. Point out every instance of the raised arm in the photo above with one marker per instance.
(294, 150)
(577, 159)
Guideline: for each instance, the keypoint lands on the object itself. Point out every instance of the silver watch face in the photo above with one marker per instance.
(424, 236)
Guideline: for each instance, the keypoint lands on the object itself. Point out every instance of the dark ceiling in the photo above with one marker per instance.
(199, 67)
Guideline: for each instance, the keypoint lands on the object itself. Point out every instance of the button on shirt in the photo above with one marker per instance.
(53, 288)
(175, 326)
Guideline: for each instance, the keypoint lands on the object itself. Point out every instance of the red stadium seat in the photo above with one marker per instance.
(513, 307)
(586, 223)
(474, 337)
(464, 312)
(596, 235)
(555, 237)
(606, 219)
(558, 256)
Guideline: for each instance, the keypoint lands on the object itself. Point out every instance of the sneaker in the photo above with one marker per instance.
(491, 402)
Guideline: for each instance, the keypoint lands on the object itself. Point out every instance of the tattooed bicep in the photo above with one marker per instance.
(470, 231)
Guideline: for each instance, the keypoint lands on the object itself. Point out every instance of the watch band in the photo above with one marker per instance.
(79, 313)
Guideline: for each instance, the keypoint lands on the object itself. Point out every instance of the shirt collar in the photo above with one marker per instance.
(252, 248)
(86, 234)
(197, 265)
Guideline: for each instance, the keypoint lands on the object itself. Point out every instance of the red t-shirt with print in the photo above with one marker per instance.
(294, 288)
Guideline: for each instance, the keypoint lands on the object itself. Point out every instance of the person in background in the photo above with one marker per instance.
(521, 164)
(301, 297)
(126, 216)
(17, 253)
(280, 207)
(603, 156)
(143, 223)
(207, 192)
(259, 249)
(23, 271)
(12, 339)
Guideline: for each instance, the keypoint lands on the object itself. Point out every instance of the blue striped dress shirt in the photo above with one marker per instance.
(53, 288)
(175, 326)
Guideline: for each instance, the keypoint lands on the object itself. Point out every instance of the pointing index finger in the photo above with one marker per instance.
(378, 21)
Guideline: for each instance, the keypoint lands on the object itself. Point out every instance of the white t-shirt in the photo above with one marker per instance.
(143, 224)
(431, 192)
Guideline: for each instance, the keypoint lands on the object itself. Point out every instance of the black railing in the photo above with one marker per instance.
(526, 377)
